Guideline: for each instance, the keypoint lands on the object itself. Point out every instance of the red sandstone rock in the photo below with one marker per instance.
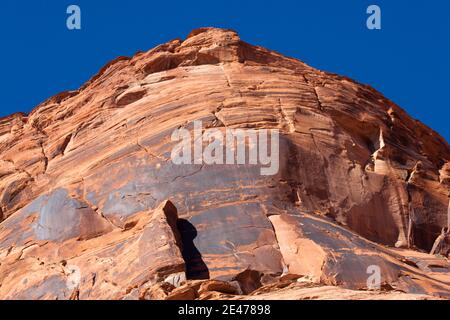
(84, 180)
(219, 286)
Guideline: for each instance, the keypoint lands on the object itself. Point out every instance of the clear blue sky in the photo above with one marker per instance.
(408, 60)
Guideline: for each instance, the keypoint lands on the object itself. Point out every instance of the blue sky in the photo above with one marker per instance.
(408, 60)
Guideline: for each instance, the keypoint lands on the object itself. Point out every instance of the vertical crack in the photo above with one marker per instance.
(65, 143)
(45, 157)
(41, 145)
(284, 117)
(308, 82)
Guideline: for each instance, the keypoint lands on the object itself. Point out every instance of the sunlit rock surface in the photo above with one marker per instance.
(85, 180)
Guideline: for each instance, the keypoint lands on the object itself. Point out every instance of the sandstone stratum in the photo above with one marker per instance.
(92, 207)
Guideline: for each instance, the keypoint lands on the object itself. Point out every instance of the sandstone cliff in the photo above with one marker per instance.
(86, 179)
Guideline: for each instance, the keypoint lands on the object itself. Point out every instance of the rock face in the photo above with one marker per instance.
(85, 180)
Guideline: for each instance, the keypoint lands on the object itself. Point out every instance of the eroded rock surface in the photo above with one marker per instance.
(85, 180)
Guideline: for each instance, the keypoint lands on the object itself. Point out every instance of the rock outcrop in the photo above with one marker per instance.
(86, 178)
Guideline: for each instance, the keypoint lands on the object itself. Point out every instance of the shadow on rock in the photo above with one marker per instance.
(195, 266)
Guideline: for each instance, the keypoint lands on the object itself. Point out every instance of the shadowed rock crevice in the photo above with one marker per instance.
(249, 280)
(195, 266)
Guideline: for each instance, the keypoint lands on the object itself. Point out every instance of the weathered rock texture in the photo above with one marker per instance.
(85, 179)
